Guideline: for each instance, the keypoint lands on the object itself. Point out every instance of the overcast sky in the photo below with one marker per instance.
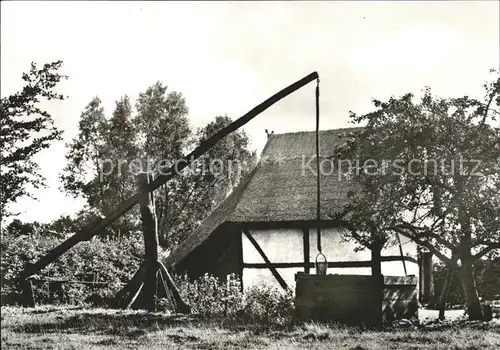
(228, 57)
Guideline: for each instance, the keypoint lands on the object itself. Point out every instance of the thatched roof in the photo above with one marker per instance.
(282, 188)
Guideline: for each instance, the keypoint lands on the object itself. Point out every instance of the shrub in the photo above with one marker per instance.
(269, 305)
(209, 297)
(111, 261)
(261, 304)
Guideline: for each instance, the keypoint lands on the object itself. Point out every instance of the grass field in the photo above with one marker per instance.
(70, 327)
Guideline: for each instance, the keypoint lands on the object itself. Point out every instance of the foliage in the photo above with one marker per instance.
(105, 156)
(204, 185)
(81, 176)
(209, 297)
(163, 136)
(113, 262)
(266, 304)
(162, 125)
(261, 304)
(121, 180)
(98, 161)
(429, 170)
(26, 129)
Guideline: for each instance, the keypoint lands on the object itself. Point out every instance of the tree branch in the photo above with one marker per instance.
(425, 232)
(485, 115)
(486, 250)
(436, 252)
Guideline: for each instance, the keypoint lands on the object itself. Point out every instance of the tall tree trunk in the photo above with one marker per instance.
(444, 293)
(466, 269)
(469, 287)
(378, 280)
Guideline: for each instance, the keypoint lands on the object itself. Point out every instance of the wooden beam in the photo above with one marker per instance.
(268, 263)
(181, 306)
(209, 143)
(337, 264)
(133, 285)
(398, 258)
(296, 224)
(150, 232)
(166, 174)
(134, 298)
(376, 249)
(240, 261)
(305, 239)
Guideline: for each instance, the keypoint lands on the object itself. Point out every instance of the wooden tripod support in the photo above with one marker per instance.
(152, 278)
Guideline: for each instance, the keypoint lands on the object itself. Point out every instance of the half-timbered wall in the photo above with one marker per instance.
(285, 246)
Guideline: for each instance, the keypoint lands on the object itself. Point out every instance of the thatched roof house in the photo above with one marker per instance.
(266, 220)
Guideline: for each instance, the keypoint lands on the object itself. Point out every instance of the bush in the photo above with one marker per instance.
(269, 305)
(261, 304)
(111, 261)
(210, 298)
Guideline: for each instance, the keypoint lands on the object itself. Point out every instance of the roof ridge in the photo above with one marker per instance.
(312, 131)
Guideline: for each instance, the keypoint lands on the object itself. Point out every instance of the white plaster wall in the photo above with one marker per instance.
(286, 245)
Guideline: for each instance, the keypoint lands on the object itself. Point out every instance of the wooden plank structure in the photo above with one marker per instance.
(355, 299)
(348, 299)
(400, 298)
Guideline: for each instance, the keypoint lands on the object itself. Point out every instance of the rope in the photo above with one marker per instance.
(318, 188)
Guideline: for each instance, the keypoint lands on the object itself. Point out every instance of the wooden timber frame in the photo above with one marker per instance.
(96, 226)
(211, 253)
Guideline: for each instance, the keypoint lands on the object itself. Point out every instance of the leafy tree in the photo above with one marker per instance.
(82, 174)
(228, 160)
(430, 171)
(25, 129)
(99, 158)
(161, 124)
(163, 135)
(123, 151)
(205, 184)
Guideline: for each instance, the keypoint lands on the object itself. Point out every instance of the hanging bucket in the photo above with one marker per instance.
(321, 264)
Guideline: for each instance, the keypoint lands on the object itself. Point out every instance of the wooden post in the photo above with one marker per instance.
(305, 241)
(150, 232)
(180, 305)
(27, 296)
(378, 279)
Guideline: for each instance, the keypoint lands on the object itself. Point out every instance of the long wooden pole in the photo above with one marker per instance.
(150, 232)
(91, 230)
